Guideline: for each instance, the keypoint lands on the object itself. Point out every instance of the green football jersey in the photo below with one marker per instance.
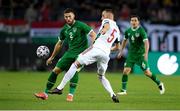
(76, 36)
(136, 40)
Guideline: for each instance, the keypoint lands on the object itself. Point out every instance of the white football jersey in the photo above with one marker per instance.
(106, 40)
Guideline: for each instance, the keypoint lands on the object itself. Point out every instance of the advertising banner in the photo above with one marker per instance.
(162, 63)
(163, 38)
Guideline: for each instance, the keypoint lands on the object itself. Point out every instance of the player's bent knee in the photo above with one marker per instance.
(127, 71)
(100, 71)
(148, 73)
(100, 76)
(77, 64)
(57, 70)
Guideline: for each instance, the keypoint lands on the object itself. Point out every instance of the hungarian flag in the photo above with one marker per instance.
(14, 28)
(45, 32)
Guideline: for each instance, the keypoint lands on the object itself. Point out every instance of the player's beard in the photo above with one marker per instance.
(70, 22)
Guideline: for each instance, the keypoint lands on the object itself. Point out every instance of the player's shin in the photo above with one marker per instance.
(124, 82)
(106, 85)
(155, 79)
(69, 74)
(51, 81)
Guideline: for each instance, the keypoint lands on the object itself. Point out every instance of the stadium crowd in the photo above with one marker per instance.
(52, 10)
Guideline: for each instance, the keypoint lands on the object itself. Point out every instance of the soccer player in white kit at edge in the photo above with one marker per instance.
(99, 52)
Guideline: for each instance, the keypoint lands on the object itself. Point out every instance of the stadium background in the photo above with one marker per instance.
(26, 24)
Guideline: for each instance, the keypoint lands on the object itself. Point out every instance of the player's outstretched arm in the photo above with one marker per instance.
(105, 28)
(146, 44)
(55, 52)
(92, 34)
(124, 42)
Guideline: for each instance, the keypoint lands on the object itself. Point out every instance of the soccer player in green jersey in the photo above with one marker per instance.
(75, 32)
(137, 54)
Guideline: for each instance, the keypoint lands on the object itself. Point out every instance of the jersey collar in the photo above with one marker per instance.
(135, 28)
(71, 25)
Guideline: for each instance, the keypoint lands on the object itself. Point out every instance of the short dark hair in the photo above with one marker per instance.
(135, 15)
(109, 10)
(69, 10)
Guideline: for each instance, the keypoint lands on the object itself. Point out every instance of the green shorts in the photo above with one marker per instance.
(66, 60)
(139, 60)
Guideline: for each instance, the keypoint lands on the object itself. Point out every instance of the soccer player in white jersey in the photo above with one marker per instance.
(99, 52)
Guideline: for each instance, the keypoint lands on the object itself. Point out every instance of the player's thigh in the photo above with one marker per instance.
(143, 64)
(65, 62)
(87, 57)
(102, 63)
(128, 65)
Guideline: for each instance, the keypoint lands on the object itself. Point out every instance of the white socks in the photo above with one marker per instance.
(106, 85)
(69, 74)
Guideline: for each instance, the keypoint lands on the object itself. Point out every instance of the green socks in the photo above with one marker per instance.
(124, 81)
(73, 83)
(51, 81)
(155, 79)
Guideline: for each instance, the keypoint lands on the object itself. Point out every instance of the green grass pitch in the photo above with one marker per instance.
(17, 88)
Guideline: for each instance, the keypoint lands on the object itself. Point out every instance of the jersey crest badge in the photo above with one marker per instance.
(137, 34)
(74, 29)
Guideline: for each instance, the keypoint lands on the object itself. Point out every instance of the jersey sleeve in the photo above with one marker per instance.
(118, 38)
(105, 21)
(102, 24)
(144, 34)
(61, 36)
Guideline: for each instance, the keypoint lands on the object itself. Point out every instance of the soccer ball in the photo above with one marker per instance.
(43, 52)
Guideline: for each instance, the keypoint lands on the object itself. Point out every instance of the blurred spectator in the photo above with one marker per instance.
(163, 15)
(18, 9)
(125, 12)
(45, 12)
(151, 10)
(31, 14)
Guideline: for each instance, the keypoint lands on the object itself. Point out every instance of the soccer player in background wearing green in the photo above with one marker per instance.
(137, 54)
(75, 32)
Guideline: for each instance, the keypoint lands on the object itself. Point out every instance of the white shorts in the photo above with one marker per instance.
(93, 54)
